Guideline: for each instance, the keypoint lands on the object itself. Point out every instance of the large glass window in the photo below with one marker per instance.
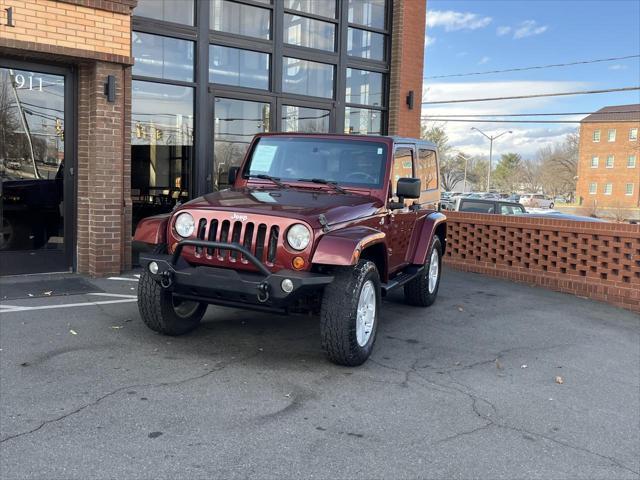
(307, 120)
(370, 13)
(162, 57)
(161, 147)
(240, 19)
(362, 121)
(235, 124)
(177, 11)
(322, 8)
(365, 44)
(304, 77)
(307, 32)
(363, 87)
(242, 68)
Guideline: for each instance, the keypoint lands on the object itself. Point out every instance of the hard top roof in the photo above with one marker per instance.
(393, 138)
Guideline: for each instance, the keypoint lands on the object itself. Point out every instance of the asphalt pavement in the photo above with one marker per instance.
(496, 380)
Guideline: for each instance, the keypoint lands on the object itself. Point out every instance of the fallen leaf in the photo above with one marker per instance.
(48, 293)
(288, 395)
(30, 294)
(460, 309)
(559, 380)
(498, 364)
(523, 366)
(73, 332)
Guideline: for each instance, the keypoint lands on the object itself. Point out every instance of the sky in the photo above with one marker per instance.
(478, 35)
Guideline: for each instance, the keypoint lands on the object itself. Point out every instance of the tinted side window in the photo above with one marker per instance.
(511, 210)
(476, 207)
(427, 169)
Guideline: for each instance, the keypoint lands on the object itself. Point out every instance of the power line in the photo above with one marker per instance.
(530, 114)
(538, 95)
(537, 67)
(473, 120)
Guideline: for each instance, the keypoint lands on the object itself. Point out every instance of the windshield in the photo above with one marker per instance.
(354, 163)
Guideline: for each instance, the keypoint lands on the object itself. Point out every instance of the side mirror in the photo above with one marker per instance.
(408, 188)
(232, 175)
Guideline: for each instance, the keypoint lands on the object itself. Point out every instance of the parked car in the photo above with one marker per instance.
(482, 205)
(315, 223)
(536, 200)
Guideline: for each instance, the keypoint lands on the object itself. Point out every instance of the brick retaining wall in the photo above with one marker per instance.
(595, 260)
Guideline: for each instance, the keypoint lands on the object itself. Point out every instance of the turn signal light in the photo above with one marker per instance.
(297, 262)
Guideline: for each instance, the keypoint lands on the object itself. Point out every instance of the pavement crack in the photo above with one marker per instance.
(218, 367)
(462, 434)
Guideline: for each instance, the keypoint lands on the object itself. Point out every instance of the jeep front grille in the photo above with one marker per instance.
(260, 239)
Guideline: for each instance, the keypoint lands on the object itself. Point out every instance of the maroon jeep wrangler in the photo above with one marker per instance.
(320, 223)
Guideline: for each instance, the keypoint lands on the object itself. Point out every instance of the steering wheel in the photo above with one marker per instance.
(368, 178)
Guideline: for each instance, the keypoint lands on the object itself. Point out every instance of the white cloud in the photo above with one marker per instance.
(503, 31)
(617, 66)
(526, 139)
(429, 40)
(451, 20)
(528, 28)
(484, 60)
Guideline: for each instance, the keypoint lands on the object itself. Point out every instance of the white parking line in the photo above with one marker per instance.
(122, 299)
(124, 279)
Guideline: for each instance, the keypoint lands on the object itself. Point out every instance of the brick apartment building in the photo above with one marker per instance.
(609, 160)
(113, 110)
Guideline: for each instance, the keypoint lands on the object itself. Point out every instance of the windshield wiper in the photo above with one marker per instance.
(275, 180)
(322, 181)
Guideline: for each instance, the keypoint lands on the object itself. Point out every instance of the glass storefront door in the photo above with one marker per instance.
(32, 168)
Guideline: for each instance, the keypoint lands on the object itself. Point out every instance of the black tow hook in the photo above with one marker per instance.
(263, 292)
(166, 280)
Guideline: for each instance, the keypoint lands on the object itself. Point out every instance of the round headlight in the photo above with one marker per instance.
(185, 225)
(298, 236)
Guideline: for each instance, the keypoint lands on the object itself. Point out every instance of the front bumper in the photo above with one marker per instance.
(224, 286)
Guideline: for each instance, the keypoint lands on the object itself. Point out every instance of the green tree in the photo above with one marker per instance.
(508, 173)
(451, 166)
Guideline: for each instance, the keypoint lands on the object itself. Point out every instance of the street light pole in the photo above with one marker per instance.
(491, 139)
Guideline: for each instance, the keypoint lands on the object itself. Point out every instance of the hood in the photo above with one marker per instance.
(302, 204)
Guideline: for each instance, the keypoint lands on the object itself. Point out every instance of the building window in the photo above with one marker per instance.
(631, 161)
(596, 135)
(593, 188)
(240, 68)
(608, 188)
(609, 163)
(611, 135)
(162, 57)
(307, 120)
(304, 77)
(310, 33)
(363, 87)
(235, 124)
(594, 162)
(628, 189)
(362, 121)
(633, 134)
(322, 8)
(176, 11)
(161, 147)
(365, 44)
(237, 18)
(370, 13)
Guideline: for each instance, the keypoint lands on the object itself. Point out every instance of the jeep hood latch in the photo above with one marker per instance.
(323, 221)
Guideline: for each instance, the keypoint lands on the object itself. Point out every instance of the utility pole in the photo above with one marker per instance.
(491, 139)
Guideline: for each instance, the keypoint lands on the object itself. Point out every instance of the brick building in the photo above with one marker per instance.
(609, 160)
(113, 110)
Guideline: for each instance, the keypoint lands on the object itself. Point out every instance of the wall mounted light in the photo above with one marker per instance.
(110, 88)
(410, 99)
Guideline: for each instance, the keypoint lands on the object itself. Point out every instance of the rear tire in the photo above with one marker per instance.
(349, 314)
(164, 313)
(423, 290)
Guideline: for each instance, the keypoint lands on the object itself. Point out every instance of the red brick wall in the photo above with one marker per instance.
(618, 176)
(104, 171)
(596, 260)
(407, 59)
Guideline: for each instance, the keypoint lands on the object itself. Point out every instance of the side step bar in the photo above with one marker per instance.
(403, 277)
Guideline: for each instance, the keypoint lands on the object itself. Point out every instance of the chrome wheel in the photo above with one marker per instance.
(366, 314)
(184, 308)
(434, 270)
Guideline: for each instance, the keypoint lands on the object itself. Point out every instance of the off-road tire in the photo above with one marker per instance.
(338, 314)
(416, 291)
(157, 309)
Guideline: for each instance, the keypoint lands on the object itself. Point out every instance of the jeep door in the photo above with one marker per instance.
(399, 223)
